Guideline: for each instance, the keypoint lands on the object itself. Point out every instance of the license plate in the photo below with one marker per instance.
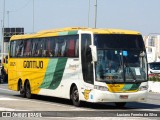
(123, 96)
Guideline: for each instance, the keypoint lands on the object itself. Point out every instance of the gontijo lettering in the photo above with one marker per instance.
(33, 64)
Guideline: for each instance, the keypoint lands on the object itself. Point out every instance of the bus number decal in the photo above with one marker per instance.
(12, 63)
(33, 64)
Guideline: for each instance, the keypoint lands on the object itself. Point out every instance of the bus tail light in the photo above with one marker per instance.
(102, 88)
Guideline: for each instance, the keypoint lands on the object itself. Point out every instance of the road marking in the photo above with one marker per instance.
(59, 105)
(6, 89)
(10, 109)
(6, 109)
(6, 98)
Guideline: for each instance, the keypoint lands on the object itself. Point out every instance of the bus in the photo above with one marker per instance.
(80, 64)
(153, 68)
(4, 67)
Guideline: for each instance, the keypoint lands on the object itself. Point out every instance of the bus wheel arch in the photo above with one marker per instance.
(74, 95)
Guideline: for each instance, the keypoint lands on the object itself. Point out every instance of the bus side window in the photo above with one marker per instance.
(63, 48)
(45, 48)
(56, 50)
(40, 49)
(71, 48)
(19, 48)
(13, 49)
(27, 52)
(50, 47)
(77, 48)
(35, 47)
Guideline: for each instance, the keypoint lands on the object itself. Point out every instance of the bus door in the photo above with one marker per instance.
(86, 60)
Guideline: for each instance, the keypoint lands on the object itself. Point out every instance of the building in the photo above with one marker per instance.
(152, 43)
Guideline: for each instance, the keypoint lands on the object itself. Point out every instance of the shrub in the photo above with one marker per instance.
(155, 78)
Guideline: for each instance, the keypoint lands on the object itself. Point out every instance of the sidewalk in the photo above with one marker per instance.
(154, 86)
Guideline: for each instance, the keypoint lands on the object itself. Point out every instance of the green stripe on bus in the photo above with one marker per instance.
(127, 87)
(135, 86)
(49, 73)
(63, 33)
(68, 33)
(131, 87)
(72, 32)
(58, 74)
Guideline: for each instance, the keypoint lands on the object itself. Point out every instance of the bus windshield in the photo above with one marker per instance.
(120, 60)
(154, 65)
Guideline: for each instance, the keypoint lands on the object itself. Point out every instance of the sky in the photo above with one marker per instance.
(139, 15)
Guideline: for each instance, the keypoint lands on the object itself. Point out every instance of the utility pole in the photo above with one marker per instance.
(95, 14)
(2, 49)
(1, 34)
(33, 16)
(8, 17)
(88, 12)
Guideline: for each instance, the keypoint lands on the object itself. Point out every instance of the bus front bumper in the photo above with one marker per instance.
(105, 96)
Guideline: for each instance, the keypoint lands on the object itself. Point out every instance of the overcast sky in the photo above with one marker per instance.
(139, 15)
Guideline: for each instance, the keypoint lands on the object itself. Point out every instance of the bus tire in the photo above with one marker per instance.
(28, 90)
(120, 104)
(21, 89)
(75, 97)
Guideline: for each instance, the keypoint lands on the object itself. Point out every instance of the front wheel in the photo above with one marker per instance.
(75, 97)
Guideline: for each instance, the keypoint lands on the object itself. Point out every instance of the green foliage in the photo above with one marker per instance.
(155, 78)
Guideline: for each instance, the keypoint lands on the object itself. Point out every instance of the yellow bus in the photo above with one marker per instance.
(81, 64)
(4, 67)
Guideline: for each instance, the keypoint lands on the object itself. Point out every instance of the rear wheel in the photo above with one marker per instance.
(21, 89)
(120, 104)
(28, 90)
(75, 96)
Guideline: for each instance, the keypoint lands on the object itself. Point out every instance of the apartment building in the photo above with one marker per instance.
(152, 43)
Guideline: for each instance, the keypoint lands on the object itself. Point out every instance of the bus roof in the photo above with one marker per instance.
(71, 31)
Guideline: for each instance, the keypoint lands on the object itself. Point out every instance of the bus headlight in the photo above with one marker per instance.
(141, 88)
(103, 88)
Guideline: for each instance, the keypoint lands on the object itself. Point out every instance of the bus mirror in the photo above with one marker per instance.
(142, 54)
(94, 53)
